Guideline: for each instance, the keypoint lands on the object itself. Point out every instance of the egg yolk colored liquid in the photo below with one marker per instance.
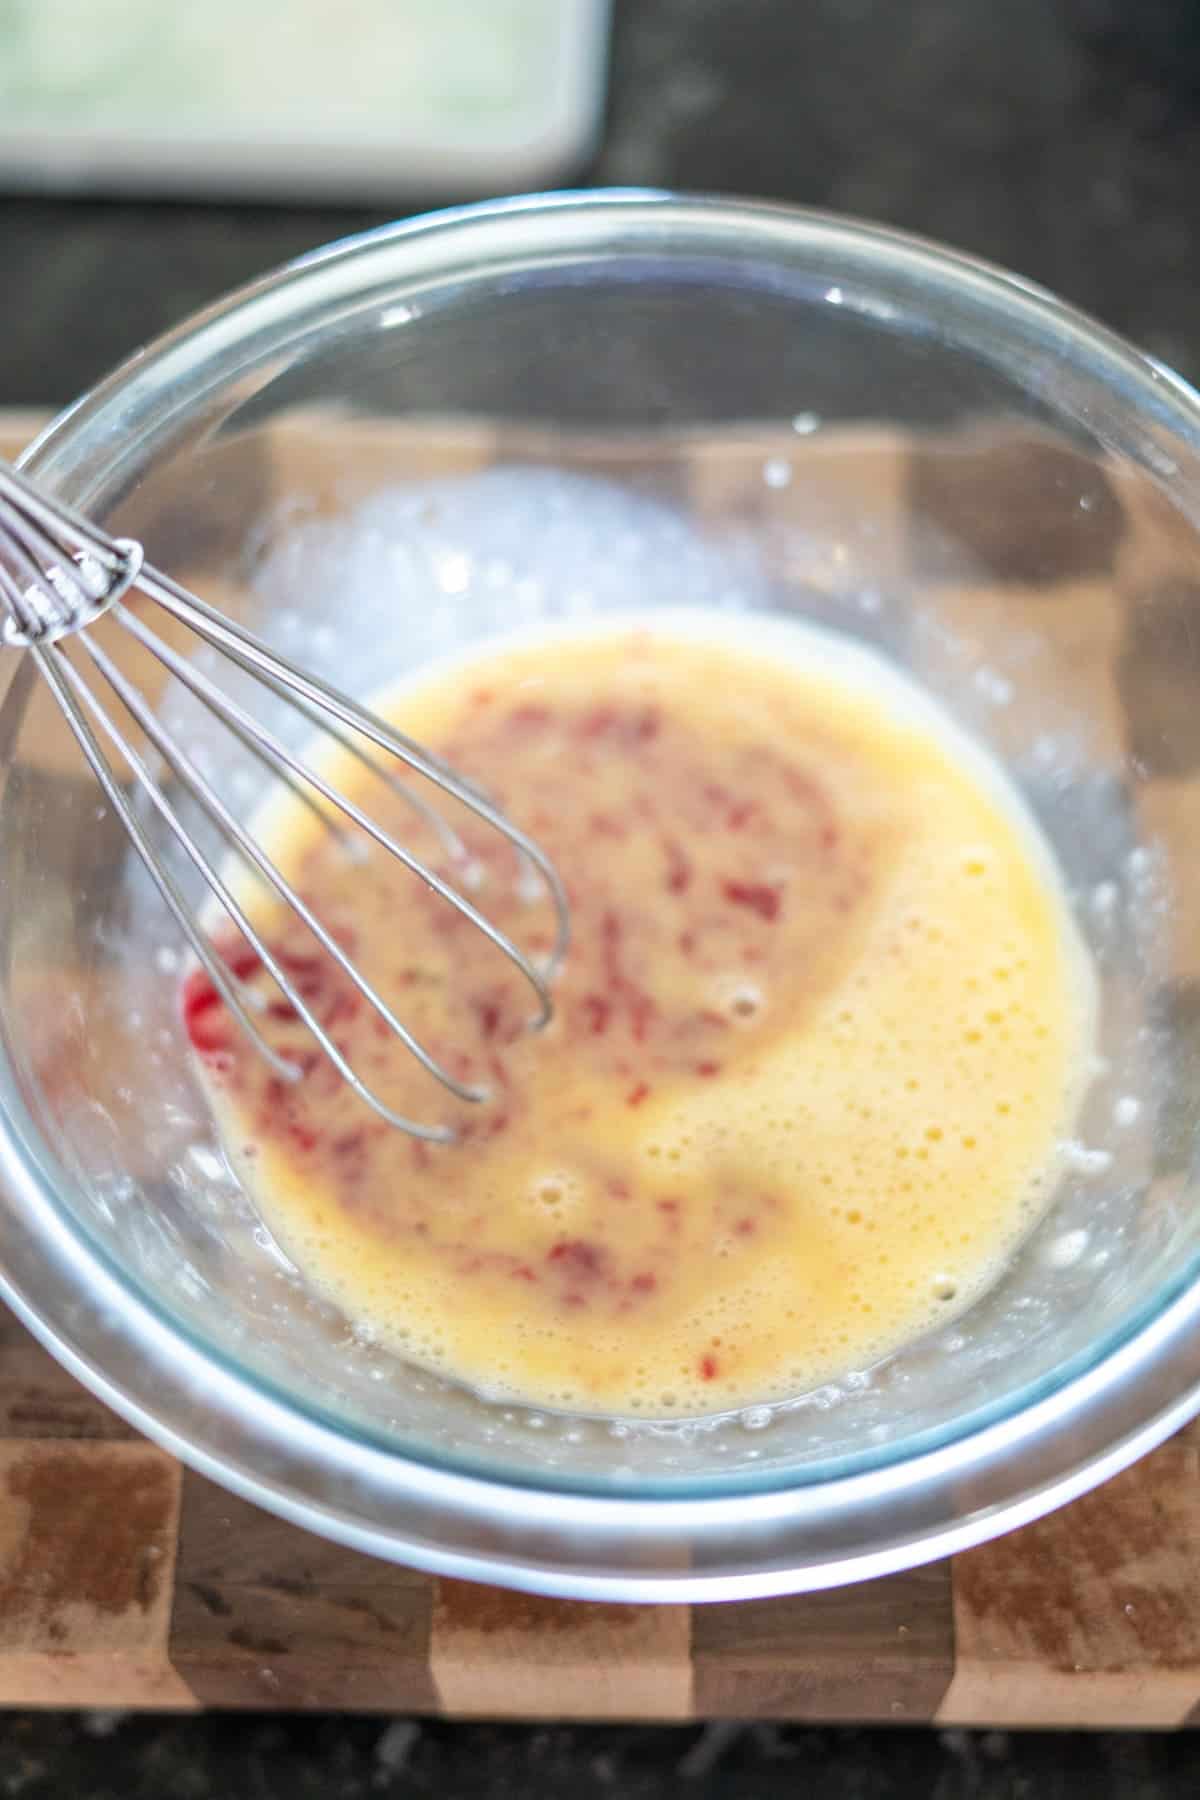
(822, 1028)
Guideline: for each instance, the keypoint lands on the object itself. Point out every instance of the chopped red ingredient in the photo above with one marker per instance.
(275, 1096)
(746, 1227)
(346, 937)
(205, 1020)
(598, 1011)
(642, 1013)
(708, 1368)
(759, 896)
(708, 1068)
(679, 868)
(611, 721)
(201, 999)
(301, 968)
(581, 1258)
(645, 1283)
(345, 1004)
(316, 1069)
(350, 1143)
(594, 724)
(610, 938)
(637, 1094)
(488, 1014)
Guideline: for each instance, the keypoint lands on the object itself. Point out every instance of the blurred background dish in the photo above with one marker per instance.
(295, 99)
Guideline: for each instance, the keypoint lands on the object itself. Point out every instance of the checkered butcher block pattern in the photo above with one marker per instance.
(126, 1580)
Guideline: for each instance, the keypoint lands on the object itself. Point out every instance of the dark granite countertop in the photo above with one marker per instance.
(101, 1756)
(1060, 137)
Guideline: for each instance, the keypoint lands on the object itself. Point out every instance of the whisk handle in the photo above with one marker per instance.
(58, 571)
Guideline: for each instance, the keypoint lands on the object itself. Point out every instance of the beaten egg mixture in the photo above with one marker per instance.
(821, 1033)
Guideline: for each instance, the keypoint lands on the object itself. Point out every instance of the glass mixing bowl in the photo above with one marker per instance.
(552, 408)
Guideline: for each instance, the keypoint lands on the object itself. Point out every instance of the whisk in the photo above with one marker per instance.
(59, 573)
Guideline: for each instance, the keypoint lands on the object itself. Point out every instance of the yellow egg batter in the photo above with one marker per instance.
(823, 1028)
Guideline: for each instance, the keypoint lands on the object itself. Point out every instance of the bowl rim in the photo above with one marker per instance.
(999, 1473)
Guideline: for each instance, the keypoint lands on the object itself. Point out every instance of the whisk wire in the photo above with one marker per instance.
(68, 571)
(193, 782)
(451, 842)
(58, 574)
(56, 671)
(277, 754)
(223, 634)
(281, 1065)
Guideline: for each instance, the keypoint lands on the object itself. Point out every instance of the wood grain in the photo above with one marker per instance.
(506, 1655)
(268, 1615)
(1092, 1615)
(87, 1552)
(880, 1650)
(125, 1581)
(38, 1399)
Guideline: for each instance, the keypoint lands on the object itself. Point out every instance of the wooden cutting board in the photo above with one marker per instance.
(126, 1580)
